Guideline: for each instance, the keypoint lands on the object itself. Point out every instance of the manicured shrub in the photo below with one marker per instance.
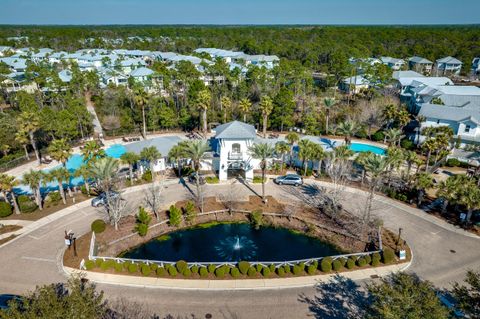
(153, 267)
(227, 269)
(343, 261)
(89, 264)
(361, 134)
(256, 218)
(259, 267)
(142, 221)
(243, 266)
(326, 265)
(147, 176)
(107, 264)
(281, 271)
(172, 271)
(25, 204)
(368, 259)
(375, 263)
(378, 136)
(287, 269)
(311, 269)
(203, 271)
(361, 262)
(126, 264)
(187, 272)
(146, 270)
(266, 272)
(211, 268)
(54, 197)
(272, 268)
(220, 272)
(315, 263)
(258, 179)
(132, 268)
(98, 262)
(350, 263)
(175, 216)
(212, 180)
(5, 209)
(252, 272)
(453, 162)
(118, 267)
(190, 212)
(407, 144)
(337, 265)
(194, 269)
(302, 266)
(98, 226)
(235, 272)
(388, 256)
(160, 271)
(297, 270)
(376, 257)
(181, 265)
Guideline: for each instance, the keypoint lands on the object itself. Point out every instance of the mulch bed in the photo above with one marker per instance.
(9, 228)
(113, 242)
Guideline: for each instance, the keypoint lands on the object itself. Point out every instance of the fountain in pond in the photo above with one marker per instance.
(236, 248)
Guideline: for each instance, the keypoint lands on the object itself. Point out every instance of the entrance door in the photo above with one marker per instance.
(236, 169)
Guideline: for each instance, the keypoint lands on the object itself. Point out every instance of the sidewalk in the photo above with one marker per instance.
(231, 284)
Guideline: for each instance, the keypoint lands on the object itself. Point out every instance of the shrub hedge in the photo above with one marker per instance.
(235, 272)
(172, 271)
(337, 265)
(281, 271)
(312, 269)
(194, 269)
(181, 265)
(211, 268)
(118, 267)
(361, 262)
(146, 270)
(220, 272)
(203, 271)
(132, 268)
(350, 263)
(252, 272)
(187, 272)
(243, 266)
(25, 204)
(326, 265)
(160, 271)
(5, 209)
(90, 264)
(388, 256)
(266, 272)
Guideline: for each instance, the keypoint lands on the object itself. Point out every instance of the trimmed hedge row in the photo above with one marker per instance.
(244, 268)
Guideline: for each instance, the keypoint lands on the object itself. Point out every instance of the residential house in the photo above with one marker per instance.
(448, 66)
(476, 66)
(420, 65)
(4, 50)
(353, 84)
(393, 63)
(110, 76)
(414, 91)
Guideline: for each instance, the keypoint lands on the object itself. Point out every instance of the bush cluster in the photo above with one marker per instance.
(147, 177)
(98, 226)
(54, 197)
(378, 136)
(25, 204)
(388, 256)
(5, 209)
(175, 216)
(326, 264)
(212, 180)
(258, 179)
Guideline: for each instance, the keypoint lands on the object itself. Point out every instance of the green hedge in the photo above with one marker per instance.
(89, 264)
(181, 265)
(194, 269)
(361, 262)
(160, 271)
(132, 268)
(337, 265)
(312, 269)
(211, 268)
(212, 180)
(326, 265)
(281, 271)
(252, 272)
(98, 226)
(388, 256)
(203, 271)
(350, 263)
(187, 272)
(5, 209)
(172, 271)
(25, 204)
(146, 270)
(243, 266)
(235, 272)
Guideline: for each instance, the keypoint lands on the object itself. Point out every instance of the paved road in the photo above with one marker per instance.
(442, 255)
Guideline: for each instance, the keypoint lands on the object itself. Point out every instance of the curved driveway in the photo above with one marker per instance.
(442, 254)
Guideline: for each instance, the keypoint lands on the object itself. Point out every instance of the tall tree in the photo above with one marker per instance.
(329, 103)
(468, 296)
(245, 105)
(29, 122)
(292, 138)
(92, 151)
(203, 101)
(140, 96)
(150, 154)
(282, 148)
(104, 171)
(34, 180)
(129, 158)
(348, 129)
(7, 183)
(262, 152)
(196, 151)
(266, 107)
(60, 150)
(61, 176)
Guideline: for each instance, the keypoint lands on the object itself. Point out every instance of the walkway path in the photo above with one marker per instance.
(442, 255)
(97, 127)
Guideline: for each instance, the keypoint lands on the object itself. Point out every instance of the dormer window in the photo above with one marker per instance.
(467, 129)
(236, 148)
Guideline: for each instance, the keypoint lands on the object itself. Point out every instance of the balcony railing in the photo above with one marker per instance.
(235, 155)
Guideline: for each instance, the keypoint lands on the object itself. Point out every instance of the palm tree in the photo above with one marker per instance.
(471, 200)
(282, 148)
(423, 181)
(92, 151)
(348, 129)
(292, 138)
(196, 151)
(34, 179)
(60, 151)
(266, 107)
(375, 166)
(262, 151)
(305, 153)
(342, 152)
(7, 183)
(410, 157)
(60, 175)
(450, 190)
(328, 102)
(150, 154)
(85, 173)
(176, 154)
(140, 97)
(29, 122)
(104, 171)
(245, 106)
(318, 154)
(203, 101)
(393, 136)
(226, 105)
(395, 159)
(22, 138)
(129, 158)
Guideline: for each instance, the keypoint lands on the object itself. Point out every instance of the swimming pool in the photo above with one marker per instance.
(362, 148)
(73, 163)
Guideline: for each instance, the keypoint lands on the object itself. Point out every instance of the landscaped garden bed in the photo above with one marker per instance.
(304, 220)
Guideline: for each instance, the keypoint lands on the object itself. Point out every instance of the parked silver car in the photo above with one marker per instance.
(289, 179)
(101, 200)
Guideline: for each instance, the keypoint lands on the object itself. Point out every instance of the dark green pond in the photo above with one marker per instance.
(232, 242)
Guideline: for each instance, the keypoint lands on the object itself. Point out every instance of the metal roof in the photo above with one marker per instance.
(235, 129)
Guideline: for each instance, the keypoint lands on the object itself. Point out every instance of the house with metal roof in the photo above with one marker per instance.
(476, 66)
(448, 66)
(420, 65)
(353, 84)
(393, 63)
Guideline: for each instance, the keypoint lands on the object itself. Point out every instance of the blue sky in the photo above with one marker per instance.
(239, 12)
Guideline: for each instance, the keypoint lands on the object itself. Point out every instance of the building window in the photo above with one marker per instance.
(438, 121)
(467, 129)
(236, 148)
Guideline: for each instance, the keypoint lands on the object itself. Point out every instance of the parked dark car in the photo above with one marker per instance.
(5, 299)
(101, 200)
(193, 177)
(289, 179)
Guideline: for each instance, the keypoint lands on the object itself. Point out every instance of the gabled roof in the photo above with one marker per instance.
(235, 129)
(420, 60)
(356, 80)
(449, 60)
(141, 72)
(397, 75)
(390, 60)
(450, 113)
(65, 75)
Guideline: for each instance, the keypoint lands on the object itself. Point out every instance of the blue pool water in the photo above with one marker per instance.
(362, 148)
(73, 163)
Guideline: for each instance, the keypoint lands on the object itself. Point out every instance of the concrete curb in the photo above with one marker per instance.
(231, 284)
